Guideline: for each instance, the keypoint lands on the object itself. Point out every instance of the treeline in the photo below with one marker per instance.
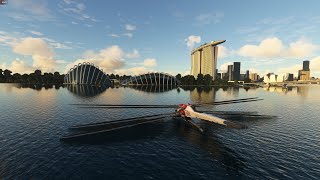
(37, 77)
(202, 80)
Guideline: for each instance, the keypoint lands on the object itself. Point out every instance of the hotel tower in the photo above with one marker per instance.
(204, 59)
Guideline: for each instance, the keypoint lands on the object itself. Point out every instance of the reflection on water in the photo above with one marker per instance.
(152, 89)
(86, 90)
(224, 155)
(233, 91)
(303, 90)
(299, 90)
(202, 94)
(39, 86)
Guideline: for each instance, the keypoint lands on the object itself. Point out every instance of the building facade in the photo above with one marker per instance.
(288, 77)
(236, 71)
(306, 65)
(253, 76)
(230, 72)
(204, 59)
(304, 74)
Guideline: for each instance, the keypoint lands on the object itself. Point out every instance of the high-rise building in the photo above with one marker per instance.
(306, 66)
(247, 74)
(224, 76)
(253, 76)
(236, 71)
(230, 72)
(204, 59)
(288, 77)
(304, 74)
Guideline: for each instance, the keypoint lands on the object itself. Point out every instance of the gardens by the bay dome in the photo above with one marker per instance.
(154, 78)
(86, 73)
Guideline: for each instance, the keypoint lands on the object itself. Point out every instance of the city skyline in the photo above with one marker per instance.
(127, 38)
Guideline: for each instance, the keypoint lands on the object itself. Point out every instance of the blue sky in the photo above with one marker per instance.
(132, 37)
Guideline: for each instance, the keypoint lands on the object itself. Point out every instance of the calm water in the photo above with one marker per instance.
(286, 146)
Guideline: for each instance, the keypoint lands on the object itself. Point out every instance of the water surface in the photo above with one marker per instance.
(33, 119)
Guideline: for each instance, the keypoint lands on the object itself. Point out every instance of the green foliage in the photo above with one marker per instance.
(190, 80)
(32, 78)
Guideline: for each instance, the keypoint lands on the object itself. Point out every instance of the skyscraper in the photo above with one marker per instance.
(204, 59)
(230, 72)
(304, 74)
(247, 74)
(306, 66)
(236, 71)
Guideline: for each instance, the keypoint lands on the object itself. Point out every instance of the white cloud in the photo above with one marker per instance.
(222, 51)
(33, 46)
(134, 54)
(75, 10)
(114, 35)
(315, 66)
(40, 52)
(133, 71)
(192, 40)
(130, 35)
(150, 62)
(209, 18)
(291, 69)
(30, 10)
(36, 33)
(270, 47)
(7, 40)
(274, 47)
(58, 45)
(19, 66)
(85, 16)
(224, 66)
(68, 1)
(301, 48)
(130, 27)
(44, 63)
(109, 59)
(81, 6)
(74, 22)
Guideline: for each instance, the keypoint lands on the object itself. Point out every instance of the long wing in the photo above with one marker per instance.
(206, 117)
(231, 101)
(163, 106)
(126, 121)
(91, 133)
(107, 126)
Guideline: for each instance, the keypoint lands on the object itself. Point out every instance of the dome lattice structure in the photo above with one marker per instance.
(152, 79)
(86, 73)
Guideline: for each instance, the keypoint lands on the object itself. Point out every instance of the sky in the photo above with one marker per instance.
(135, 37)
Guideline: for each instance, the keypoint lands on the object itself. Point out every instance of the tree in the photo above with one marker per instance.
(188, 80)
(178, 76)
(37, 72)
(200, 79)
(7, 74)
(112, 76)
(207, 79)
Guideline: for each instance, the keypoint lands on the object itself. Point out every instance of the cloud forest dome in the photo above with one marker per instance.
(86, 73)
(153, 78)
